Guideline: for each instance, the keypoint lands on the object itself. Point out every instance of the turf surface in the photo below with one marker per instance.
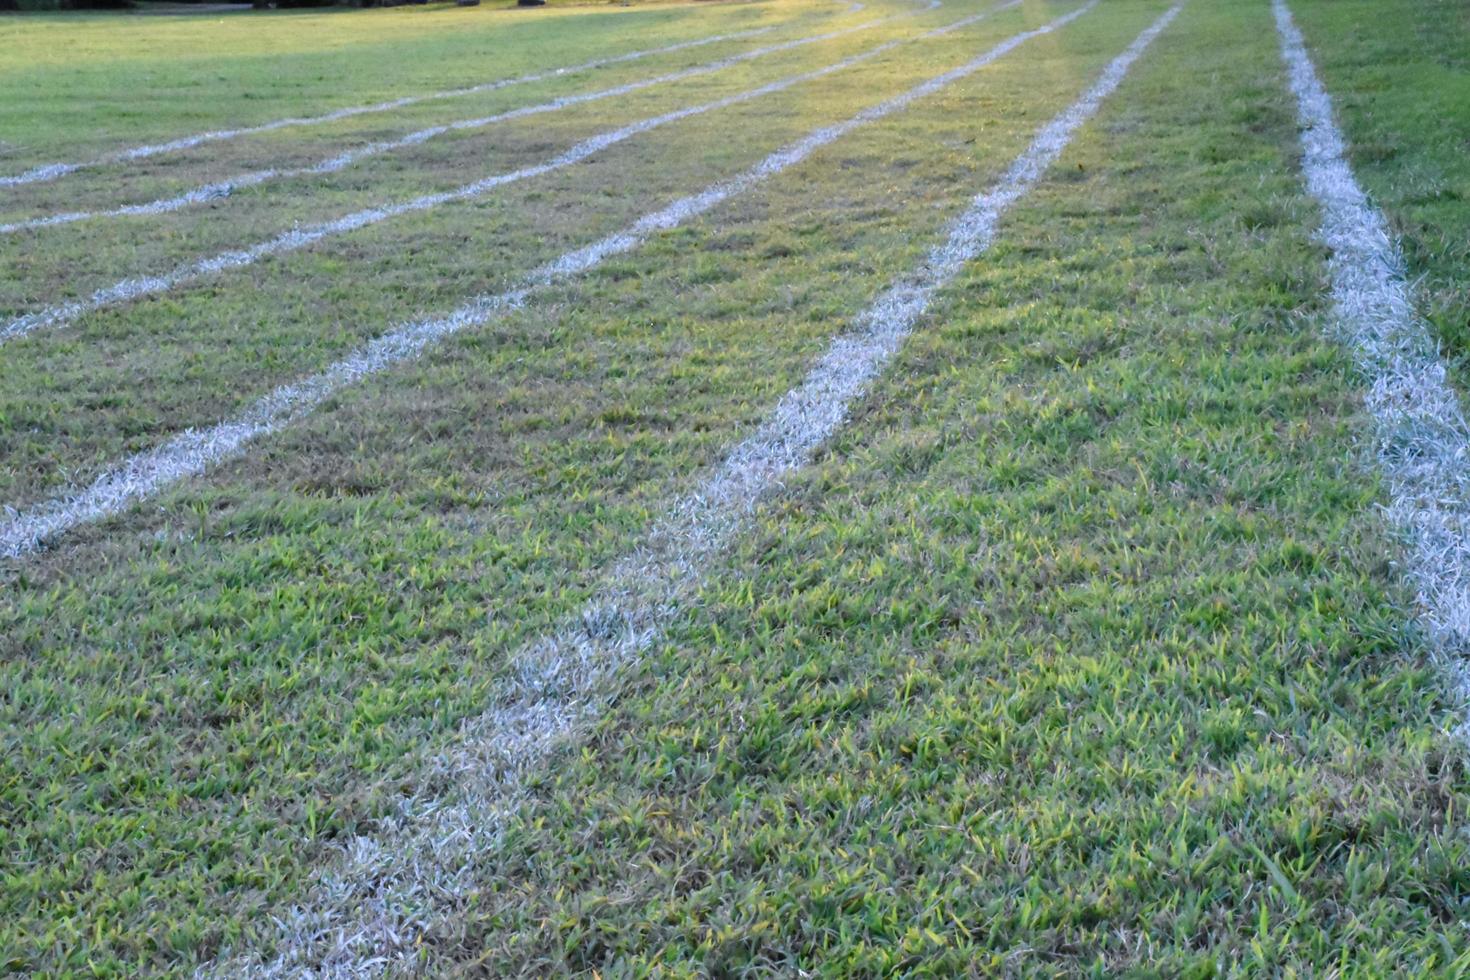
(1080, 650)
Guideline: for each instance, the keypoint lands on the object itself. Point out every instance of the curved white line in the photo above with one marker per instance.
(129, 290)
(192, 452)
(52, 171)
(390, 889)
(224, 188)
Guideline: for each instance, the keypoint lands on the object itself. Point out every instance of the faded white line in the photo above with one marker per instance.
(224, 188)
(193, 451)
(130, 290)
(52, 171)
(1420, 435)
(390, 890)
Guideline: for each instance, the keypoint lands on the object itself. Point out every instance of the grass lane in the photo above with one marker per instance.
(1080, 652)
(136, 289)
(1402, 95)
(290, 330)
(418, 871)
(442, 164)
(217, 345)
(285, 155)
(78, 81)
(1420, 436)
(213, 191)
(282, 657)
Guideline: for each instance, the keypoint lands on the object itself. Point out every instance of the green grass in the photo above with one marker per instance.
(1077, 652)
(1403, 92)
(89, 82)
(1080, 650)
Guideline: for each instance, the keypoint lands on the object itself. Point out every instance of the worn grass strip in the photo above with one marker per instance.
(54, 171)
(133, 289)
(1422, 441)
(216, 190)
(192, 452)
(392, 890)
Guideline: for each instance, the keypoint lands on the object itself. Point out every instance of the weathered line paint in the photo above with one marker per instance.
(341, 161)
(193, 451)
(389, 889)
(1421, 440)
(140, 287)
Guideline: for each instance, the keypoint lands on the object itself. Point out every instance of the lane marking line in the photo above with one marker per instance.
(1421, 440)
(191, 452)
(391, 889)
(140, 287)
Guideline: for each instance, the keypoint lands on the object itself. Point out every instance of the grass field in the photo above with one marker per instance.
(1073, 639)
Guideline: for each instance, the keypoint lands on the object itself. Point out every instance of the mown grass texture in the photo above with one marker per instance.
(1081, 650)
(1075, 654)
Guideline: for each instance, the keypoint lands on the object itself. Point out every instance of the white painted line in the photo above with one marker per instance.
(193, 451)
(224, 188)
(1420, 435)
(389, 890)
(130, 290)
(52, 171)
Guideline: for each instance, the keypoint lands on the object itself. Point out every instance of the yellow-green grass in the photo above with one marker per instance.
(94, 82)
(1080, 650)
(123, 379)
